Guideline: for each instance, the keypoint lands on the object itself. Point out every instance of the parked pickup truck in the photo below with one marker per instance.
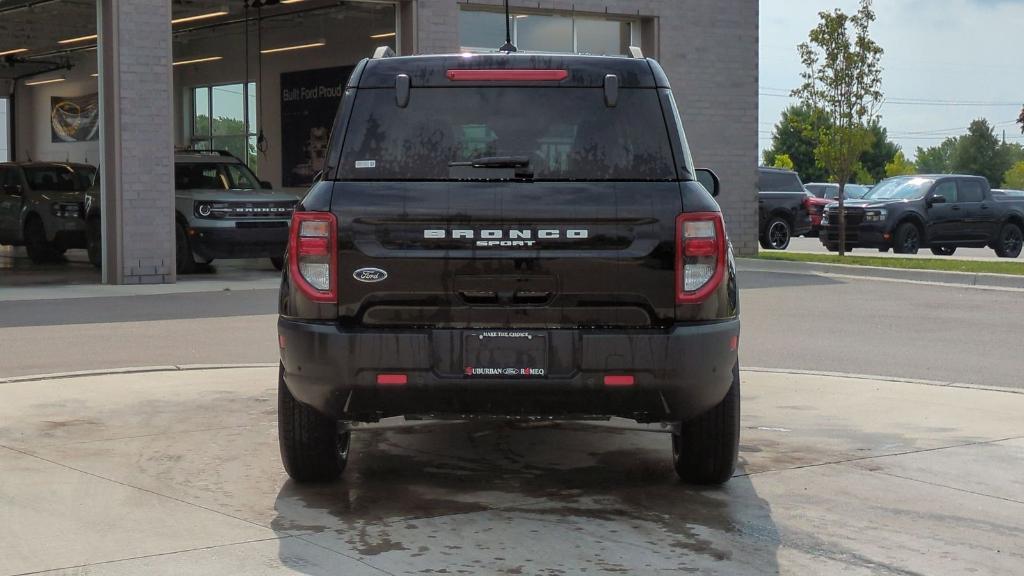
(462, 258)
(940, 212)
(787, 209)
(41, 207)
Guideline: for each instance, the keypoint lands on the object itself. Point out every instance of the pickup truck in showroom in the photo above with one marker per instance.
(940, 212)
(515, 236)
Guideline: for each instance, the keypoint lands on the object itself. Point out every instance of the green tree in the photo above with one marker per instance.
(1014, 177)
(899, 166)
(937, 159)
(796, 136)
(842, 78)
(783, 161)
(879, 155)
(980, 153)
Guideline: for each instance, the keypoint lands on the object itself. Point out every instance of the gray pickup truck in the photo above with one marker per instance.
(222, 211)
(41, 207)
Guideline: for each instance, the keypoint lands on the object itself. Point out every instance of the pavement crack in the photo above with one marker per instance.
(878, 456)
(339, 553)
(144, 556)
(938, 485)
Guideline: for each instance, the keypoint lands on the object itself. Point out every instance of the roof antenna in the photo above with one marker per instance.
(509, 46)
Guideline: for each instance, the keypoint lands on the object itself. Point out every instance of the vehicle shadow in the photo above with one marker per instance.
(507, 498)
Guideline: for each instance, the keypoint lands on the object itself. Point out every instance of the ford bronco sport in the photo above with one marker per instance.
(222, 211)
(513, 236)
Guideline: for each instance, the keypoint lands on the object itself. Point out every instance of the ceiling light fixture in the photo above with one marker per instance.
(15, 51)
(78, 39)
(197, 60)
(290, 1)
(197, 17)
(49, 81)
(296, 47)
(94, 75)
(384, 35)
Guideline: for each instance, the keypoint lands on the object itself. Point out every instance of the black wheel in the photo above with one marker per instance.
(1010, 241)
(94, 242)
(776, 235)
(314, 447)
(184, 262)
(40, 251)
(704, 449)
(943, 250)
(907, 239)
(278, 262)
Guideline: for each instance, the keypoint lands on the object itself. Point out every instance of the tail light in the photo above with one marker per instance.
(313, 255)
(700, 255)
(811, 206)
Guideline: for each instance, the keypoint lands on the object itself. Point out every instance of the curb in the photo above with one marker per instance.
(890, 379)
(132, 370)
(963, 279)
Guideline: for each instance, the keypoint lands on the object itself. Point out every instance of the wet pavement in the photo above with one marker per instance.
(178, 472)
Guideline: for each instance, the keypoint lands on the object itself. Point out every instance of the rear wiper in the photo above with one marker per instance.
(495, 162)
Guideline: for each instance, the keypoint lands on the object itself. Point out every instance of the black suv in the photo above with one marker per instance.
(514, 236)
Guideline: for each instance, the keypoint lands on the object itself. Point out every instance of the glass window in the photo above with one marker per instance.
(5, 126)
(540, 33)
(574, 136)
(199, 177)
(241, 178)
(224, 118)
(57, 178)
(948, 190)
(903, 187)
(602, 37)
(772, 181)
(484, 31)
(971, 191)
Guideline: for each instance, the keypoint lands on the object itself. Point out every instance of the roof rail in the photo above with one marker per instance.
(383, 52)
(635, 52)
(200, 152)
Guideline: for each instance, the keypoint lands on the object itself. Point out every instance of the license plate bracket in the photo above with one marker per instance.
(505, 354)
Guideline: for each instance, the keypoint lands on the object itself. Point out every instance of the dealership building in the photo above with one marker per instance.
(121, 84)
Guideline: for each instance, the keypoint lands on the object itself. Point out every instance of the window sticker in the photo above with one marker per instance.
(366, 163)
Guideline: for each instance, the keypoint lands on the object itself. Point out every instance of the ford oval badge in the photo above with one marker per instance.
(369, 275)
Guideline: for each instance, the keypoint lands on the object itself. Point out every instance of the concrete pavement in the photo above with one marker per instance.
(178, 472)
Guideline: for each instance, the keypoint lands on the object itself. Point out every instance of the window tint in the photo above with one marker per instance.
(241, 178)
(770, 181)
(948, 190)
(57, 178)
(566, 133)
(199, 177)
(971, 191)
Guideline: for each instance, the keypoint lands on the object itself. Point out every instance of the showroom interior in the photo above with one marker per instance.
(120, 85)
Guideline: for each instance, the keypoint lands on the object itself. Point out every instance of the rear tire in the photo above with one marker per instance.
(40, 250)
(314, 447)
(777, 234)
(184, 262)
(943, 250)
(704, 449)
(277, 262)
(1010, 241)
(907, 239)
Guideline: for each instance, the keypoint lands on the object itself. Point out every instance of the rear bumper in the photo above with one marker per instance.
(679, 373)
(223, 242)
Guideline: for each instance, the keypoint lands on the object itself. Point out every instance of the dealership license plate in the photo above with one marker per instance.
(505, 354)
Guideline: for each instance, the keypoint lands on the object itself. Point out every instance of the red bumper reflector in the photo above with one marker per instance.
(508, 75)
(281, 341)
(619, 380)
(734, 343)
(392, 379)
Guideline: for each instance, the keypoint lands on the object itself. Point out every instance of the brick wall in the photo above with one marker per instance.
(138, 167)
(709, 50)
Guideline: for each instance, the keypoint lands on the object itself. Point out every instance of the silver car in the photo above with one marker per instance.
(222, 211)
(41, 207)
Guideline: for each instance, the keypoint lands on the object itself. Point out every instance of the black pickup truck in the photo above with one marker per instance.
(515, 236)
(785, 208)
(941, 212)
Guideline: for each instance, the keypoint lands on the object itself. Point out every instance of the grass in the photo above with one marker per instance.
(941, 264)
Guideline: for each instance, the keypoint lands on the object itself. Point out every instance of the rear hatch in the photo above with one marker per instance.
(505, 205)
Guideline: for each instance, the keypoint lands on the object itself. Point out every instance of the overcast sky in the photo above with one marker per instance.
(946, 63)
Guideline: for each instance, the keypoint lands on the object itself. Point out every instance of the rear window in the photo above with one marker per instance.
(770, 181)
(564, 133)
